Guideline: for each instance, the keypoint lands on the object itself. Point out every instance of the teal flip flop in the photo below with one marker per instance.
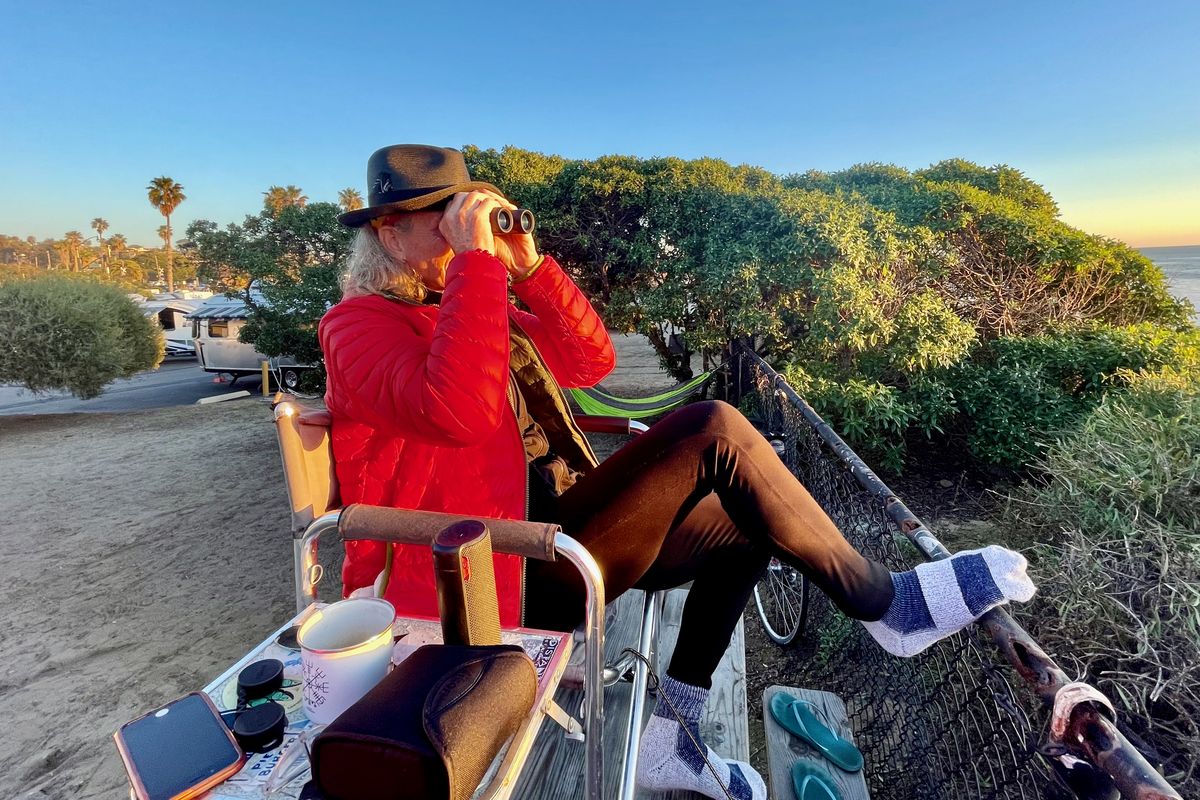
(797, 716)
(813, 783)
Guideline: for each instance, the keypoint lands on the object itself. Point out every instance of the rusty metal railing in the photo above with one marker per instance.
(928, 720)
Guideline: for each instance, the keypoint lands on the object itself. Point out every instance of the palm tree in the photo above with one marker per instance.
(116, 246)
(277, 198)
(166, 195)
(164, 233)
(100, 225)
(63, 249)
(74, 241)
(350, 200)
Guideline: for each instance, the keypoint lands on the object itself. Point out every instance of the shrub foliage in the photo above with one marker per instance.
(72, 334)
(1118, 517)
(946, 303)
(903, 304)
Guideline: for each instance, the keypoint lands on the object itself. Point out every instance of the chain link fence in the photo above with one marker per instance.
(953, 722)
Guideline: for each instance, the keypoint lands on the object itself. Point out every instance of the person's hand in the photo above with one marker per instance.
(466, 222)
(518, 251)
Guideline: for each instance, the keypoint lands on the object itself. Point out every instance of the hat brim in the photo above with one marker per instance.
(361, 216)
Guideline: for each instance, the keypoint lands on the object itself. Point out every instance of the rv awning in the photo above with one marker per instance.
(221, 308)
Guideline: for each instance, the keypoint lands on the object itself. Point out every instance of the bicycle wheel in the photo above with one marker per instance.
(781, 596)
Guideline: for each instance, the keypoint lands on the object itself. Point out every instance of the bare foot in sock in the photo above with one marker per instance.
(940, 598)
(670, 761)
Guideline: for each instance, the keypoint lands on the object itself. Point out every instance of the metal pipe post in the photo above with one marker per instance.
(593, 662)
(305, 558)
(633, 739)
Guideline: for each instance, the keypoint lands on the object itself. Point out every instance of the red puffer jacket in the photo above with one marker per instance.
(421, 418)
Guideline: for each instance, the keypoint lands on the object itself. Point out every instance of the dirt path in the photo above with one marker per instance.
(144, 552)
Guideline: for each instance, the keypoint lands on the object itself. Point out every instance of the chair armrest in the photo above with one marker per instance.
(591, 423)
(406, 526)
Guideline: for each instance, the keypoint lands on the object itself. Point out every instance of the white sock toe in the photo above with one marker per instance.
(1010, 572)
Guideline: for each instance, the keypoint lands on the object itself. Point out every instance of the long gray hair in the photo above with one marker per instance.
(370, 270)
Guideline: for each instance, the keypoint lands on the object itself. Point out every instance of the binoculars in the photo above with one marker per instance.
(517, 221)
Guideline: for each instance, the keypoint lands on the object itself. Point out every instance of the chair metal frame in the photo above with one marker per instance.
(316, 512)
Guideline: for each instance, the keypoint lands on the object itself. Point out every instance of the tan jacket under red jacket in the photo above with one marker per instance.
(421, 418)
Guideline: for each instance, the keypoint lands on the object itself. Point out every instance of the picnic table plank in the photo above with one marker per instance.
(784, 749)
(555, 766)
(554, 769)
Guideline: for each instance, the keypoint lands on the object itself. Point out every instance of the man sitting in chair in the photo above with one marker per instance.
(445, 397)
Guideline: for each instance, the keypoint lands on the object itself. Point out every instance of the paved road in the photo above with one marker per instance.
(175, 383)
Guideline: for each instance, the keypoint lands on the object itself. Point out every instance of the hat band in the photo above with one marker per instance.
(399, 195)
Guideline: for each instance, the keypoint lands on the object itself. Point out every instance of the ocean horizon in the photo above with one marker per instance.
(1181, 265)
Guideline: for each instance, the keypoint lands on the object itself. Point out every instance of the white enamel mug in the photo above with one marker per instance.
(345, 649)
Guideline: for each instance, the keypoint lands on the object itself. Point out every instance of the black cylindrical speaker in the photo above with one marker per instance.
(466, 585)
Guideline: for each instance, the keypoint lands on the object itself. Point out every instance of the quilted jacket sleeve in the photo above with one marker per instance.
(566, 329)
(449, 390)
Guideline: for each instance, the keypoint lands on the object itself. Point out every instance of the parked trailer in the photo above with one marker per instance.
(215, 329)
(172, 314)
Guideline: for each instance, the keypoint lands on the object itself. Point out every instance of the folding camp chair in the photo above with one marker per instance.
(304, 443)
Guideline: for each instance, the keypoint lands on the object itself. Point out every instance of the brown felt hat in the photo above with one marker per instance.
(410, 177)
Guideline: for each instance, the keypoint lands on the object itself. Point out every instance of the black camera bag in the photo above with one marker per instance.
(430, 729)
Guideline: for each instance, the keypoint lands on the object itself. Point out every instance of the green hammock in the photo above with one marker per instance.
(594, 400)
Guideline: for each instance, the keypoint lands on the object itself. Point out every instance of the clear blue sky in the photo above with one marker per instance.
(1098, 101)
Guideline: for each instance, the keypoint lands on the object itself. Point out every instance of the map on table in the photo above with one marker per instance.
(546, 649)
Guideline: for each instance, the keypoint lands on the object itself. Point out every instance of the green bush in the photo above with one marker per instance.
(78, 335)
(870, 415)
(907, 299)
(1016, 394)
(1007, 398)
(1117, 516)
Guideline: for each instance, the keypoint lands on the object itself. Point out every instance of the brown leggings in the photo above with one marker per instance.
(700, 497)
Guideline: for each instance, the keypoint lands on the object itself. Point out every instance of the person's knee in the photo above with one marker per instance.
(718, 417)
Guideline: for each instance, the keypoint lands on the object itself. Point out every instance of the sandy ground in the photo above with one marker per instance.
(146, 552)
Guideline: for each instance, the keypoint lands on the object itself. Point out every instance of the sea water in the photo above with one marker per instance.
(1182, 268)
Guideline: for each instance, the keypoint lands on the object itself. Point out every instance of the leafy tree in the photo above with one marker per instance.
(999, 251)
(166, 195)
(63, 249)
(603, 220)
(285, 267)
(15, 250)
(350, 199)
(73, 334)
(1000, 180)
(277, 198)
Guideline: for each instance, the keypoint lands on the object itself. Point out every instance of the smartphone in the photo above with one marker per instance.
(178, 751)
